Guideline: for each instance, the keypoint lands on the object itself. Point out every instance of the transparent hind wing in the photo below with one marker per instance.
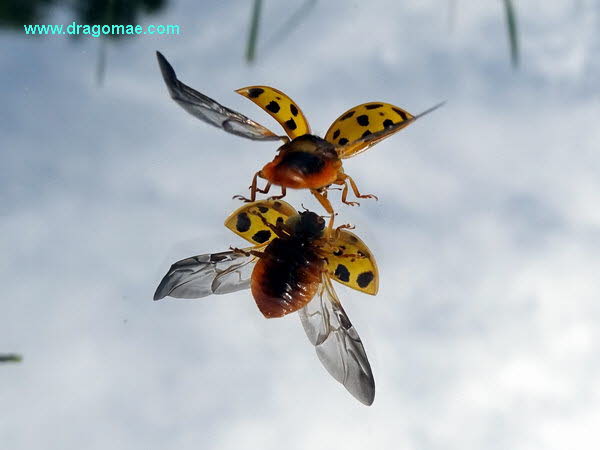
(203, 275)
(210, 111)
(338, 345)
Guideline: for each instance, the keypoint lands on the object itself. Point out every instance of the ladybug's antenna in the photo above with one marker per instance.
(304, 207)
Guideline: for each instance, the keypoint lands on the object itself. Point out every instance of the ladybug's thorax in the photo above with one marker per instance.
(306, 226)
(308, 161)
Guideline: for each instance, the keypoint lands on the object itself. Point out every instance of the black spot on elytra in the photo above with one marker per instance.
(255, 92)
(401, 113)
(273, 107)
(291, 124)
(363, 120)
(364, 279)
(261, 236)
(347, 115)
(279, 220)
(341, 271)
(374, 106)
(263, 209)
(366, 133)
(343, 141)
(388, 123)
(277, 204)
(293, 109)
(336, 133)
(243, 222)
(278, 98)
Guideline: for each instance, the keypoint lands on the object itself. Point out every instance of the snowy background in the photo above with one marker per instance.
(484, 334)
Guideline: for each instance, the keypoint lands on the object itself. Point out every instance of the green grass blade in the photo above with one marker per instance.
(511, 22)
(11, 358)
(253, 35)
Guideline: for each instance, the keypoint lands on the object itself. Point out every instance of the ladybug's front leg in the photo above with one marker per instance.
(345, 226)
(254, 189)
(277, 229)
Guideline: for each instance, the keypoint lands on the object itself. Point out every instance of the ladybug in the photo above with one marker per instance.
(289, 268)
(304, 161)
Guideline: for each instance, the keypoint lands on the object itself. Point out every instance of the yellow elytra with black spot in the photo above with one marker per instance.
(352, 264)
(365, 120)
(281, 107)
(246, 222)
(310, 162)
(348, 259)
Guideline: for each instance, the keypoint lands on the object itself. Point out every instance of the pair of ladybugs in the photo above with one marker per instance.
(294, 255)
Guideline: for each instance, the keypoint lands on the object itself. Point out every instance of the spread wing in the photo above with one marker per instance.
(209, 111)
(353, 264)
(363, 126)
(202, 275)
(337, 343)
(281, 107)
(248, 221)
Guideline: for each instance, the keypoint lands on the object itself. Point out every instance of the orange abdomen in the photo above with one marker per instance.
(302, 170)
(286, 277)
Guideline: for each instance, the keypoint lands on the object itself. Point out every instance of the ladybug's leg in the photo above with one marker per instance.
(323, 193)
(278, 197)
(336, 232)
(345, 226)
(254, 189)
(357, 193)
(241, 251)
(277, 229)
(324, 202)
(345, 195)
(265, 190)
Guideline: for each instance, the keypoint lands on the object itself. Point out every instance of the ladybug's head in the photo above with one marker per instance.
(307, 225)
